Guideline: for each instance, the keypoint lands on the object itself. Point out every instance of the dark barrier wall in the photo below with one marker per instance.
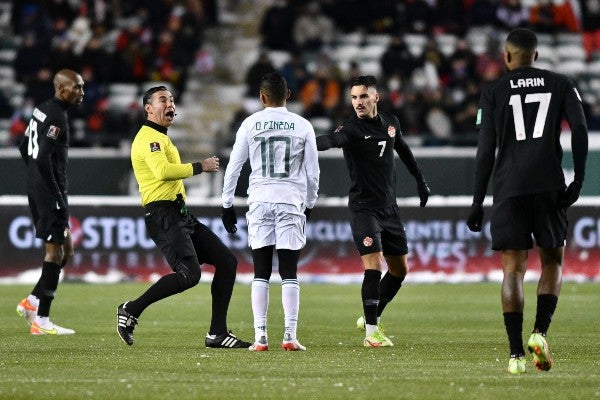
(112, 239)
(98, 172)
(449, 172)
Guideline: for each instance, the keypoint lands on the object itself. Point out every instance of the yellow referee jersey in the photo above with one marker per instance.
(157, 165)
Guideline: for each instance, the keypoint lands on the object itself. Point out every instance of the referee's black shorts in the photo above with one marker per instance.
(181, 236)
(379, 229)
(517, 220)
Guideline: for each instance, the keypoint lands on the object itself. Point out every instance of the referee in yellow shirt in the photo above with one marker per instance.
(183, 240)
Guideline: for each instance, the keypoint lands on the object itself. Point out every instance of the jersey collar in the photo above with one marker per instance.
(63, 104)
(156, 126)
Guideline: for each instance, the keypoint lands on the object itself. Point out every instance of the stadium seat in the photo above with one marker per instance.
(346, 52)
(446, 43)
(378, 39)
(372, 67)
(279, 58)
(350, 39)
(321, 124)
(117, 89)
(372, 52)
(572, 68)
(569, 38)
(415, 43)
(570, 52)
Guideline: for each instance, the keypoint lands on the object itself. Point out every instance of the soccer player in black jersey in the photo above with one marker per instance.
(44, 150)
(520, 116)
(369, 139)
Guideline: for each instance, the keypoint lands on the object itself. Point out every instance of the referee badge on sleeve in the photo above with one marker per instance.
(154, 146)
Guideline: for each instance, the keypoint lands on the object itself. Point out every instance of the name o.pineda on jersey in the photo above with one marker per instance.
(527, 82)
(274, 125)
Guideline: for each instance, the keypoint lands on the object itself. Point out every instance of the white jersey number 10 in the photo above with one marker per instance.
(275, 160)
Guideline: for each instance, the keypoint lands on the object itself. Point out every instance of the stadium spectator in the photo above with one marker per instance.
(411, 112)
(549, 17)
(529, 192)
(450, 17)
(184, 241)
(375, 221)
(29, 59)
(40, 88)
(397, 59)
(482, 13)
(490, 64)
(280, 202)
(261, 66)
(45, 152)
(590, 25)
(416, 16)
(295, 73)
(277, 25)
(313, 30)
(464, 113)
(511, 14)
(321, 94)
(61, 54)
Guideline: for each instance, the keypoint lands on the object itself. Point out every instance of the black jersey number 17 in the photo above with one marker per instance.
(540, 119)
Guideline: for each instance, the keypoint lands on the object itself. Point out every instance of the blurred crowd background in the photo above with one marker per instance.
(431, 57)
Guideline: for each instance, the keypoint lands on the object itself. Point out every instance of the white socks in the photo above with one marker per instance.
(34, 301)
(260, 304)
(290, 298)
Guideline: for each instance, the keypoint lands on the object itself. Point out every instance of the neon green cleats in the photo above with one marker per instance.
(541, 354)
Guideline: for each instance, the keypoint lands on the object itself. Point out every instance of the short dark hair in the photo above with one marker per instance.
(274, 86)
(148, 94)
(364, 80)
(524, 39)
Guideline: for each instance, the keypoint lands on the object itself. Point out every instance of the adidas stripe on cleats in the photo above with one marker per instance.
(226, 340)
(26, 310)
(541, 354)
(516, 365)
(125, 324)
(259, 345)
(49, 329)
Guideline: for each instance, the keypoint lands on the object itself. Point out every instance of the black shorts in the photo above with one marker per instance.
(516, 220)
(378, 230)
(181, 236)
(50, 224)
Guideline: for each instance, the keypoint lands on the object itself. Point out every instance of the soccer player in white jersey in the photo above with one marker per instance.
(282, 191)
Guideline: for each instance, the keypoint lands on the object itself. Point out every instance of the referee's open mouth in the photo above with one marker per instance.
(170, 115)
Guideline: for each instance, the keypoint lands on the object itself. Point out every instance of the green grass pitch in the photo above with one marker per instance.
(449, 340)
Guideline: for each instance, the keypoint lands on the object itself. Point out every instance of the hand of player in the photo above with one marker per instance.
(475, 220)
(229, 219)
(210, 164)
(571, 194)
(307, 212)
(61, 208)
(424, 191)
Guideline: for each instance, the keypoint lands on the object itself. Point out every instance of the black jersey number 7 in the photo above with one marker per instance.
(540, 119)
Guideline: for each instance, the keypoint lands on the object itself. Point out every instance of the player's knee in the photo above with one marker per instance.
(188, 274)
(54, 254)
(288, 271)
(227, 265)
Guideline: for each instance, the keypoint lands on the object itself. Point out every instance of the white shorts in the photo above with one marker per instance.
(282, 225)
